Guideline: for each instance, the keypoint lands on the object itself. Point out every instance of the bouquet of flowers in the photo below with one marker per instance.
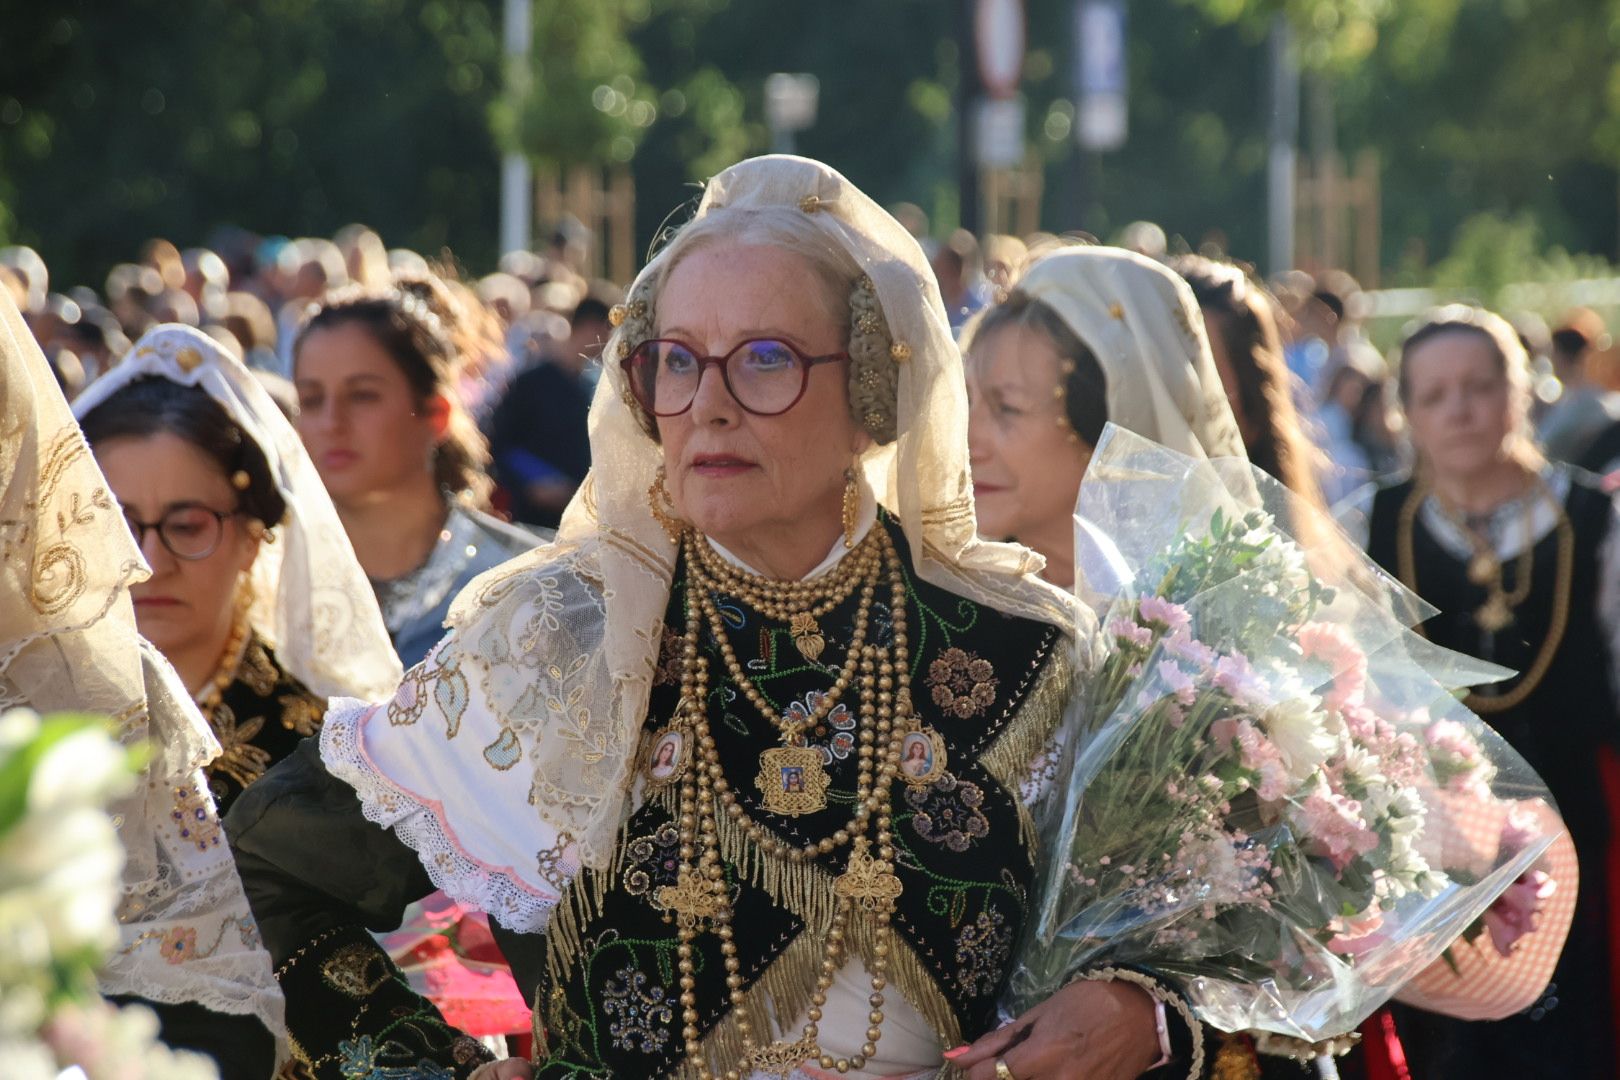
(1269, 791)
(60, 864)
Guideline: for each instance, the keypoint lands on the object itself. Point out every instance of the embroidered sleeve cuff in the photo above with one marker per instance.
(351, 1013)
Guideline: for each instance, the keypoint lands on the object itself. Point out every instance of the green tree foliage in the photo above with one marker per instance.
(120, 122)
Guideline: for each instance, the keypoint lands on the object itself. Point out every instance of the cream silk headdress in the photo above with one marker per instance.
(505, 760)
(311, 600)
(1141, 321)
(68, 642)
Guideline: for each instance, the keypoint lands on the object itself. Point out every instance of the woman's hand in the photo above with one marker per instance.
(510, 1069)
(1086, 1031)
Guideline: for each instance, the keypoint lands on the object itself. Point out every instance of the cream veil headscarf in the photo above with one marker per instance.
(1141, 321)
(311, 601)
(505, 760)
(68, 642)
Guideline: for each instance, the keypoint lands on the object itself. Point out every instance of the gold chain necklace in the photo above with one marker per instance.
(798, 603)
(1485, 569)
(1564, 575)
(701, 897)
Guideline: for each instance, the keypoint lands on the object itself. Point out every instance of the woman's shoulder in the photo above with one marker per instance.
(510, 538)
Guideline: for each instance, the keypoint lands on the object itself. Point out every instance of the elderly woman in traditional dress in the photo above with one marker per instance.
(774, 567)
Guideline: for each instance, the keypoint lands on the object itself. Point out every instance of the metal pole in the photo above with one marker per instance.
(1281, 167)
(967, 96)
(516, 230)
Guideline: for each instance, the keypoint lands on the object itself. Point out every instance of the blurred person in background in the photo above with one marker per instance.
(1357, 428)
(161, 255)
(506, 295)
(174, 306)
(1145, 238)
(1522, 558)
(962, 283)
(1004, 259)
(1240, 321)
(312, 267)
(483, 364)
(131, 289)
(540, 436)
(378, 410)
(364, 255)
(1584, 408)
(249, 319)
(30, 268)
(207, 281)
(253, 597)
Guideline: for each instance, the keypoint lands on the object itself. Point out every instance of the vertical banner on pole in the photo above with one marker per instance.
(1102, 75)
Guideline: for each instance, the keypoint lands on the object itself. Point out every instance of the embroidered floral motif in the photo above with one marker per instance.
(963, 683)
(668, 671)
(257, 670)
(355, 970)
(179, 945)
(639, 1010)
(357, 1060)
(834, 736)
(191, 816)
(239, 758)
(947, 812)
(302, 713)
(652, 860)
(982, 950)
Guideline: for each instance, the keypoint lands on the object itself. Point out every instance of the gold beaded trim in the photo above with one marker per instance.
(1164, 996)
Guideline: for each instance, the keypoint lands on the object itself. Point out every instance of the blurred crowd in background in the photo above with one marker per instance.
(526, 340)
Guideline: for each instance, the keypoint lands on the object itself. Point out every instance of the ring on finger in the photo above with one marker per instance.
(1002, 1072)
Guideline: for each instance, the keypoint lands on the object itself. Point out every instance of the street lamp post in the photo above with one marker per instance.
(790, 107)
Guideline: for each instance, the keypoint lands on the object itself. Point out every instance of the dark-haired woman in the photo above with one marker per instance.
(376, 373)
(404, 463)
(254, 598)
(1519, 556)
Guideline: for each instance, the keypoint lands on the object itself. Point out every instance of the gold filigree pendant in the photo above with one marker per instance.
(691, 899)
(806, 633)
(867, 881)
(1494, 615)
(791, 780)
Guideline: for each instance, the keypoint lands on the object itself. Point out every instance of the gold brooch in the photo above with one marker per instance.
(900, 352)
(616, 315)
(810, 203)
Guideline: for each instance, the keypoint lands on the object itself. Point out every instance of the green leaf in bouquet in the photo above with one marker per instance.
(17, 769)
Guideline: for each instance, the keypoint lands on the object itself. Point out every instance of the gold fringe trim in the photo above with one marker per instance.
(804, 888)
(908, 972)
(1235, 1060)
(781, 994)
(1026, 735)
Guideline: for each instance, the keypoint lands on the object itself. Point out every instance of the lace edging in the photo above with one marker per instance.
(515, 905)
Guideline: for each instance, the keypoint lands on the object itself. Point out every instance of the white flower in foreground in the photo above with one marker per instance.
(1299, 728)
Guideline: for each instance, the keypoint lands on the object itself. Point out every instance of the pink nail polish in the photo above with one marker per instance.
(952, 1055)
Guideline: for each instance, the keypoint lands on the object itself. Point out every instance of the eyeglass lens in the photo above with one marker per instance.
(189, 532)
(766, 377)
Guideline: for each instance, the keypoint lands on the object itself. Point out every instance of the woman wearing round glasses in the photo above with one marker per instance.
(665, 752)
(255, 597)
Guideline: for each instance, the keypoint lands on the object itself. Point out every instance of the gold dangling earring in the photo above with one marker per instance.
(662, 506)
(852, 506)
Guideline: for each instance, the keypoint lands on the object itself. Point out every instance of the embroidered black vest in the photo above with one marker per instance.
(992, 686)
(1571, 711)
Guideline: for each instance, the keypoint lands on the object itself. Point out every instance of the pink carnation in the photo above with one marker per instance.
(1177, 681)
(1333, 828)
(1514, 913)
(1256, 753)
(1156, 609)
(1234, 675)
(1331, 646)
(1130, 633)
(1359, 934)
(1183, 646)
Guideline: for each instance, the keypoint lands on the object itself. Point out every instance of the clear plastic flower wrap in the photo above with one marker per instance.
(1268, 789)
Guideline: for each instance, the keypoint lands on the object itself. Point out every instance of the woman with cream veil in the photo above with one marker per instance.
(774, 568)
(1089, 336)
(187, 947)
